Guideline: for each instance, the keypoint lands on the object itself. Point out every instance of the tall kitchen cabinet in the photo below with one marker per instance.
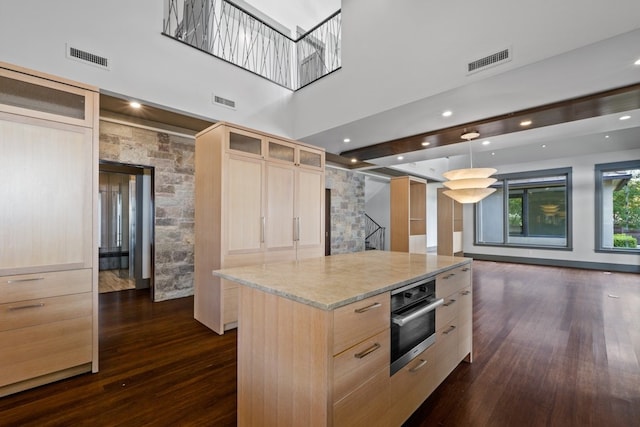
(408, 214)
(449, 225)
(259, 199)
(48, 231)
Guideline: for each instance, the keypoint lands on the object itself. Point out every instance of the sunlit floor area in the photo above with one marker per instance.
(115, 280)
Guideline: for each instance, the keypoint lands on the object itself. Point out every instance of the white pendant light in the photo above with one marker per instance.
(469, 185)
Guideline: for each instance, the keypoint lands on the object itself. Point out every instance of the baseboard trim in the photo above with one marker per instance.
(601, 266)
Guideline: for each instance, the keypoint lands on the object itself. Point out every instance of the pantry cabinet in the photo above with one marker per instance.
(259, 199)
(48, 233)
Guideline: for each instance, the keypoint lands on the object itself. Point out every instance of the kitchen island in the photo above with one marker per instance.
(314, 338)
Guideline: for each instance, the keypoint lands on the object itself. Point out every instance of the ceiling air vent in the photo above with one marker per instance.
(87, 57)
(224, 102)
(489, 61)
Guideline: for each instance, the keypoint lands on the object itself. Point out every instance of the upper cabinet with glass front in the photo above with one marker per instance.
(59, 101)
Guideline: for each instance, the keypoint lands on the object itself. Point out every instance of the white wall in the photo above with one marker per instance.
(583, 215)
(144, 64)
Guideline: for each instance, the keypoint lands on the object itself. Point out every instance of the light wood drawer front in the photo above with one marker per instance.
(411, 385)
(23, 314)
(465, 320)
(230, 304)
(448, 310)
(446, 354)
(39, 350)
(43, 285)
(360, 320)
(453, 280)
(367, 406)
(358, 363)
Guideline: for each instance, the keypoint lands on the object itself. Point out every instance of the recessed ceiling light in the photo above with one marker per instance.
(354, 160)
(486, 142)
(544, 146)
(425, 143)
(606, 136)
(493, 153)
(346, 140)
(625, 117)
(400, 158)
(134, 104)
(525, 123)
(637, 62)
(447, 113)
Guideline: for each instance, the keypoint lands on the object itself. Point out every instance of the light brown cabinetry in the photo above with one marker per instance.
(259, 198)
(449, 225)
(408, 214)
(48, 233)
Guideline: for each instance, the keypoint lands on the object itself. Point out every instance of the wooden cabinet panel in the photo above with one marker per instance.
(360, 362)
(465, 322)
(408, 214)
(43, 285)
(22, 314)
(47, 193)
(446, 350)
(360, 320)
(244, 217)
(280, 207)
(43, 349)
(310, 210)
(367, 406)
(411, 385)
(452, 281)
(448, 311)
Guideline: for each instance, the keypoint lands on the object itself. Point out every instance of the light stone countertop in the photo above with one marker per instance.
(331, 282)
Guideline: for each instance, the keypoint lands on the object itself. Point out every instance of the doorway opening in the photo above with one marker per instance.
(125, 227)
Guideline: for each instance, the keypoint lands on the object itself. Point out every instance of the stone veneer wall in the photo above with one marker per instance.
(347, 210)
(172, 157)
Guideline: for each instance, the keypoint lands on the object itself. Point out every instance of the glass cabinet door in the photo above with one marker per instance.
(245, 143)
(279, 150)
(310, 158)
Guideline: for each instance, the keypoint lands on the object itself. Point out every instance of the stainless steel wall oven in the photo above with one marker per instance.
(413, 321)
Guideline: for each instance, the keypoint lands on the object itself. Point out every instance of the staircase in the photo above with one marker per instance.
(374, 234)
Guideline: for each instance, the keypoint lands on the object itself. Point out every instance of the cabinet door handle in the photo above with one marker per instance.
(367, 308)
(448, 331)
(465, 293)
(32, 279)
(450, 275)
(22, 307)
(450, 302)
(296, 229)
(368, 351)
(263, 225)
(465, 269)
(419, 365)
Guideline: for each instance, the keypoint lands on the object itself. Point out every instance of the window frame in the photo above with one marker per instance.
(599, 170)
(503, 181)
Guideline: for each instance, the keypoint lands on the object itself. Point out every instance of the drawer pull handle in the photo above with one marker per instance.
(419, 365)
(33, 279)
(367, 308)
(466, 269)
(448, 276)
(451, 328)
(465, 293)
(450, 302)
(368, 351)
(22, 307)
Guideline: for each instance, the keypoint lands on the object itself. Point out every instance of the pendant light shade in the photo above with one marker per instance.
(469, 185)
(469, 195)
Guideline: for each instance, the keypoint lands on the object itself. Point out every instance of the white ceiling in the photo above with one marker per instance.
(587, 69)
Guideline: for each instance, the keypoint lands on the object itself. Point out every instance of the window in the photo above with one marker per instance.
(529, 209)
(618, 207)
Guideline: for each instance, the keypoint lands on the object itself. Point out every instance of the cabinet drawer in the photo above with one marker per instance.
(448, 310)
(453, 280)
(23, 314)
(358, 363)
(43, 285)
(446, 353)
(43, 349)
(360, 320)
(465, 320)
(367, 406)
(411, 385)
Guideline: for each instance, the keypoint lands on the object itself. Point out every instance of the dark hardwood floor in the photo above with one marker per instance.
(552, 347)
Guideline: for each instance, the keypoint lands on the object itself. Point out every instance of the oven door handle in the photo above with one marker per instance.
(402, 320)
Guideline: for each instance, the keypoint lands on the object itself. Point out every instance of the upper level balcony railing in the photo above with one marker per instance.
(229, 32)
